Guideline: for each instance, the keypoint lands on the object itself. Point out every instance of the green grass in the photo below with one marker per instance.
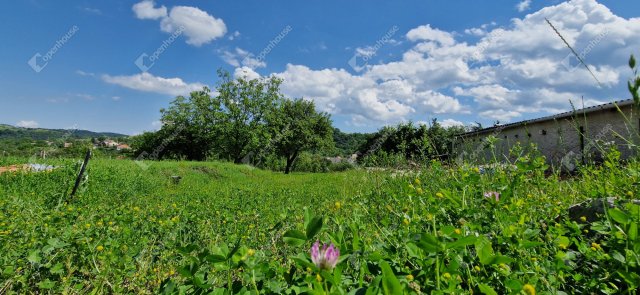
(132, 230)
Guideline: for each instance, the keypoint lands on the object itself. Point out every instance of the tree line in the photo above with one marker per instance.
(244, 121)
(250, 121)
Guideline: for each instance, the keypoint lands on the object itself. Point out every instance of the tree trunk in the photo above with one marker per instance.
(290, 162)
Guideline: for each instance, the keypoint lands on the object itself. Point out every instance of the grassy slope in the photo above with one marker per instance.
(141, 218)
(215, 202)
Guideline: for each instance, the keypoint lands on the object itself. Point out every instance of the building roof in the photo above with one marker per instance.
(587, 110)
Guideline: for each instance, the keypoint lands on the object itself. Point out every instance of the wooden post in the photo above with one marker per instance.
(82, 169)
(582, 151)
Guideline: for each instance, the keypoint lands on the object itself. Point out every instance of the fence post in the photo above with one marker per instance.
(82, 169)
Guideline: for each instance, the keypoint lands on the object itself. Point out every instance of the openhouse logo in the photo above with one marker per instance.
(39, 61)
(144, 62)
(359, 61)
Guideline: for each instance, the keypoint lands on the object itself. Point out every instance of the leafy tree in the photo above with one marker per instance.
(189, 127)
(347, 143)
(298, 127)
(229, 125)
(246, 104)
(413, 143)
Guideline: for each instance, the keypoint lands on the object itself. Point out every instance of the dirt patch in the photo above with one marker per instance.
(14, 168)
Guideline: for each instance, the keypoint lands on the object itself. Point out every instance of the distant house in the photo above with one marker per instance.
(564, 139)
(109, 143)
(335, 160)
(123, 146)
(67, 145)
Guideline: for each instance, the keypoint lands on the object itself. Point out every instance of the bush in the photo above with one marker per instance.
(342, 166)
(308, 162)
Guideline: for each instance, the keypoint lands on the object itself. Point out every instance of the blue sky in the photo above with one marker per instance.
(368, 63)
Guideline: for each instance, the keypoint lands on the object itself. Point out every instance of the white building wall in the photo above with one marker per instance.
(560, 140)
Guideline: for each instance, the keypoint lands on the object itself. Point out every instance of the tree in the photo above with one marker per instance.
(229, 125)
(299, 127)
(246, 105)
(190, 127)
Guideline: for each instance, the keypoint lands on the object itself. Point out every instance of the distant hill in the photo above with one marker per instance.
(12, 132)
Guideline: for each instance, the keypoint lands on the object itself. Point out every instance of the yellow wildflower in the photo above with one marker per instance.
(529, 289)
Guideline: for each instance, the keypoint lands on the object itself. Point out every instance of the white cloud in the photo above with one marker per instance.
(116, 98)
(499, 114)
(511, 72)
(83, 73)
(426, 33)
(149, 83)
(233, 36)
(156, 125)
(524, 5)
(197, 25)
(246, 73)
(146, 10)
(92, 10)
(368, 51)
(339, 92)
(450, 123)
(58, 100)
(242, 58)
(502, 76)
(27, 124)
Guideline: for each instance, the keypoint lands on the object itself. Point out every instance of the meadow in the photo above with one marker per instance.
(234, 229)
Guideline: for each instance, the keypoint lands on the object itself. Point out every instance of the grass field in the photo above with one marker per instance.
(234, 229)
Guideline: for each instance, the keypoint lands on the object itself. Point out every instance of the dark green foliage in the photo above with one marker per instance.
(348, 143)
(410, 142)
(248, 121)
(299, 127)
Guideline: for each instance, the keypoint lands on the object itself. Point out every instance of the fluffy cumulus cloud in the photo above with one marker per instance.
(246, 73)
(197, 25)
(493, 72)
(149, 83)
(505, 73)
(27, 124)
(147, 10)
(426, 33)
